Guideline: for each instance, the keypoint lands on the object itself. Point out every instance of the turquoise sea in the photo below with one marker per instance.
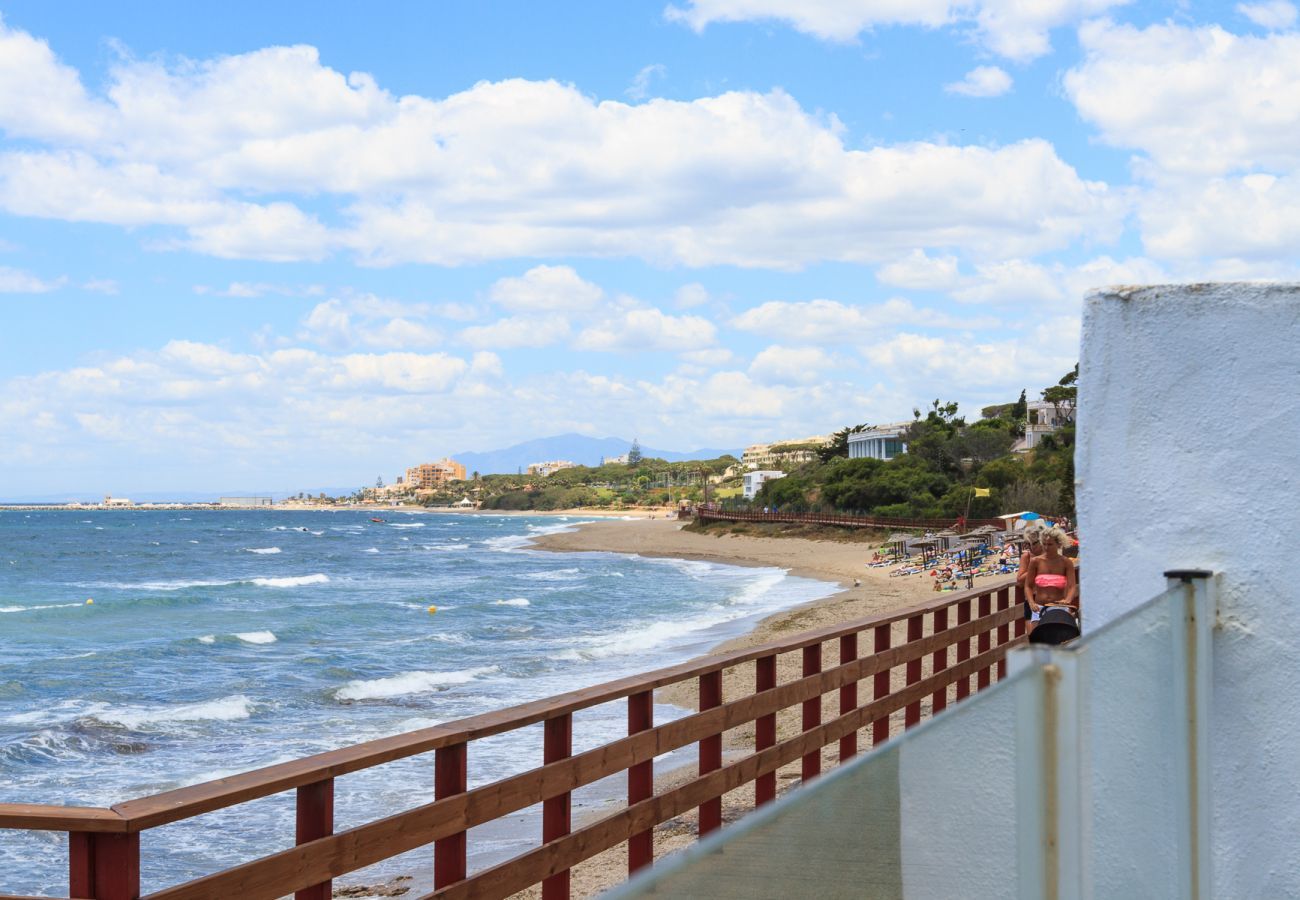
(219, 641)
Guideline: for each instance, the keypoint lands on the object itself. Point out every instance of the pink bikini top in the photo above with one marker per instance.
(1049, 581)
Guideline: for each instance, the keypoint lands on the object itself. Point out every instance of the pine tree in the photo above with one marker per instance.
(634, 454)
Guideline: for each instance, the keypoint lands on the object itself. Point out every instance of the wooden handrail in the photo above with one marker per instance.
(321, 856)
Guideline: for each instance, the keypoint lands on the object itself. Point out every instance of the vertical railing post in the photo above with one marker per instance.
(880, 727)
(939, 662)
(848, 696)
(963, 649)
(985, 675)
(812, 712)
(1020, 599)
(710, 751)
(912, 713)
(104, 866)
(450, 777)
(315, 819)
(557, 744)
(1004, 630)
(1192, 614)
(764, 728)
(640, 780)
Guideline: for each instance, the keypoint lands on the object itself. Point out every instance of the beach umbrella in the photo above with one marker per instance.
(1030, 516)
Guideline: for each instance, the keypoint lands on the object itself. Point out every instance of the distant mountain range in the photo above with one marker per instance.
(577, 448)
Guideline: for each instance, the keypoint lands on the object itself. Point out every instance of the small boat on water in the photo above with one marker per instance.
(374, 519)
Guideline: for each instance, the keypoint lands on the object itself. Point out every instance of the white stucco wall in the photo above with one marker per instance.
(1189, 445)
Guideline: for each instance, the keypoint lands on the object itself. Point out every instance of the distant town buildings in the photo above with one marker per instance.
(110, 500)
(784, 453)
(754, 481)
(878, 441)
(246, 502)
(615, 460)
(546, 469)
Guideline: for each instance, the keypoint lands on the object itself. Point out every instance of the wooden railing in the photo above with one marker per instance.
(908, 671)
(837, 519)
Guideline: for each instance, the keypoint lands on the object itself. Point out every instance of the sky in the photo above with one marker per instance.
(271, 246)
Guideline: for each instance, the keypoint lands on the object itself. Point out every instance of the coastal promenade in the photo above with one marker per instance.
(840, 519)
(858, 683)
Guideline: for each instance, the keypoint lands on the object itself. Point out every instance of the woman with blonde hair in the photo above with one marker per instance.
(1050, 581)
(1030, 550)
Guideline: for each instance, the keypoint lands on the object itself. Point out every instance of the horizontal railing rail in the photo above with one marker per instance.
(908, 664)
(727, 515)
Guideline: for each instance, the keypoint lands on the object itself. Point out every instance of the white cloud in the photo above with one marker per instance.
(1274, 15)
(544, 289)
(101, 286)
(16, 281)
(507, 169)
(368, 321)
(982, 81)
(831, 322)
(647, 329)
(1199, 101)
(251, 289)
(1251, 217)
(1010, 28)
(689, 296)
(640, 87)
(790, 365)
(517, 331)
(920, 272)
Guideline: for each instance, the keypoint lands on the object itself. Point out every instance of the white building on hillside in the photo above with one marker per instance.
(546, 469)
(754, 481)
(784, 453)
(1042, 418)
(878, 441)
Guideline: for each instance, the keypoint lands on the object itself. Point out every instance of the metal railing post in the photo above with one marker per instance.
(1192, 616)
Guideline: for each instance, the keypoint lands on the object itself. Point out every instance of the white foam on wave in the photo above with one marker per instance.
(291, 581)
(513, 601)
(169, 585)
(226, 709)
(262, 550)
(371, 550)
(257, 637)
(406, 524)
(15, 609)
(419, 682)
(554, 575)
(208, 639)
(193, 542)
(446, 548)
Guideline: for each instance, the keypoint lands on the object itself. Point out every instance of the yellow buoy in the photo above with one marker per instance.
(90, 601)
(432, 610)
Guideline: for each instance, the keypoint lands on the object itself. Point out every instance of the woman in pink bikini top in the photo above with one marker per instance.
(1050, 580)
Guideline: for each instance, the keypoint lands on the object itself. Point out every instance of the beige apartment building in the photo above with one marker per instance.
(784, 453)
(430, 476)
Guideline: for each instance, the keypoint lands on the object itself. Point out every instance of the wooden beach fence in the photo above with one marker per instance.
(841, 519)
(914, 660)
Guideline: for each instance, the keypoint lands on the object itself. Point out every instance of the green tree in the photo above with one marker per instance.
(839, 445)
(634, 454)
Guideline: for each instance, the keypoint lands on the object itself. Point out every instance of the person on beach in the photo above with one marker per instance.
(1031, 550)
(1050, 579)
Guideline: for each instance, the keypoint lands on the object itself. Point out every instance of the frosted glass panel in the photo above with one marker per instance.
(913, 819)
(1133, 747)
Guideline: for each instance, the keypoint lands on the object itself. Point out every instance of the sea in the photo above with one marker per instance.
(145, 650)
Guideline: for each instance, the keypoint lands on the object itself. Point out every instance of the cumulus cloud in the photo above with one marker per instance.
(982, 81)
(790, 365)
(16, 281)
(647, 329)
(517, 331)
(368, 321)
(640, 87)
(224, 155)
(920, 272)
(1275, 14)
(545, 289)
(831, 322)
(1197, 100)
(1013, 29)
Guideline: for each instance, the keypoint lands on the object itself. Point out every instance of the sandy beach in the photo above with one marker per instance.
(833, 561)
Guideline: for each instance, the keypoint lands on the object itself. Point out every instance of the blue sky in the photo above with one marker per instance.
(273, 246)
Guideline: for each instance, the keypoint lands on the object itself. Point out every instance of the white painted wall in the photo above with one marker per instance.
(1189, 457)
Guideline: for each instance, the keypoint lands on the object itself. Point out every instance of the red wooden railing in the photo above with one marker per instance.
(908, 664)
(837, 519)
